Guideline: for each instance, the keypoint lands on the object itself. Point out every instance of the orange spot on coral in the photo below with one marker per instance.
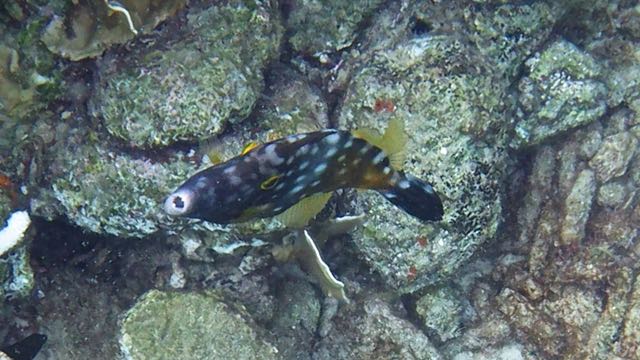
(384, 105)
(422, 240)
(5, 182)
(413, 272)
(7, 185)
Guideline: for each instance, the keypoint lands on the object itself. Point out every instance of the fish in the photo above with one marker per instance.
(293, 178)
(25, 349)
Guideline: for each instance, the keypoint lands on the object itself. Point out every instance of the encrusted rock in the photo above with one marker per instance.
(577, 207)
(97, 27)
(612, 159)
(164, 325)
(453, 110)
(208, 76)
(560, 92)
(440, 312)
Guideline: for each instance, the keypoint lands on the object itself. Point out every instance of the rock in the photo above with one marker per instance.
(111, 193)
(560, 92)
(613, 156)
(453, 111)
(164, 325)
(440, 312)
(326, 26)
(96, 27)
(296, 319)
(507, 352)
(615, 194)
(371, 330)
(210, 75)
(577, 207)
(631, 329)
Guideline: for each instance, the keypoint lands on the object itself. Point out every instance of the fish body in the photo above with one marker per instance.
(270, 178)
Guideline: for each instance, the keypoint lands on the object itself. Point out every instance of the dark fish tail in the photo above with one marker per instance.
(416, 197)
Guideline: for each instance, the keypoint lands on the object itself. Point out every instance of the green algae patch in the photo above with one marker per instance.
(327, 26)
(210, 75)
(561, 91)
(164, 325)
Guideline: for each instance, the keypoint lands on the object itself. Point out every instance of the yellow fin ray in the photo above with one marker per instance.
(298, 216)
(372, 136)
(394, 142)
(250, 146)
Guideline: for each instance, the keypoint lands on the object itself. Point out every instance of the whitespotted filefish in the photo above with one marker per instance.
(299, 172)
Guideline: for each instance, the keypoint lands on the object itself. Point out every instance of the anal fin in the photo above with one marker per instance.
(298, 216)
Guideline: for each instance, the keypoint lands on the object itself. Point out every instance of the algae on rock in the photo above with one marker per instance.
(321, 27)
(211, 74)
(88, 28)
(164, 325)
(561, 91)
(453, 103)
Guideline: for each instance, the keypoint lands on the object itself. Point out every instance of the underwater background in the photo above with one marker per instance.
(524, 115)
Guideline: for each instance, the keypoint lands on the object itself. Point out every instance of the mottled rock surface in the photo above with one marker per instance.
(453, 101)
(189, 87)
(190, 326)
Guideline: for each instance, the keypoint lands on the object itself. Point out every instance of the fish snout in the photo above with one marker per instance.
(180, 203)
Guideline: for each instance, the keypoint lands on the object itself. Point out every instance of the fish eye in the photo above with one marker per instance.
(179, 203)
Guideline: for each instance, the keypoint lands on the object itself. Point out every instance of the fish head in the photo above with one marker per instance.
(200, 197)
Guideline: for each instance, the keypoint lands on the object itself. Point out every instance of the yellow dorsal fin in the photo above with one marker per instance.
(394, 142)
(270, 182)
(298, 216)
(250, 146)
(372, 136)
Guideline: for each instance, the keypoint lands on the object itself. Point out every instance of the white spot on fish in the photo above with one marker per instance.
(320, 169)
(280, 186)
(315, 183)
(277, 209)
(365, 149)
(294, 138)
(235, 180)
(378, 158)
(332, 151)
(202, 183)
(314, 149)
(303, 165)
(231, 169)
(297, 189)
(386, 170)
(343, 171)
(342, 158)
(348, 143)
(301, 178)
(332, 139)
(302, 150)
(272, 156)
(404, 184)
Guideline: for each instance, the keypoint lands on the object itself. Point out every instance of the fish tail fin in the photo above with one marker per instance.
(416, 197)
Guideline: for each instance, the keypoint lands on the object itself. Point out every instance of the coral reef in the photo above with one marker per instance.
(523, 115)
(194, 326)
(561, 91)
(189, 88)
(453, 103)
(86, 29)
(322, 27)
